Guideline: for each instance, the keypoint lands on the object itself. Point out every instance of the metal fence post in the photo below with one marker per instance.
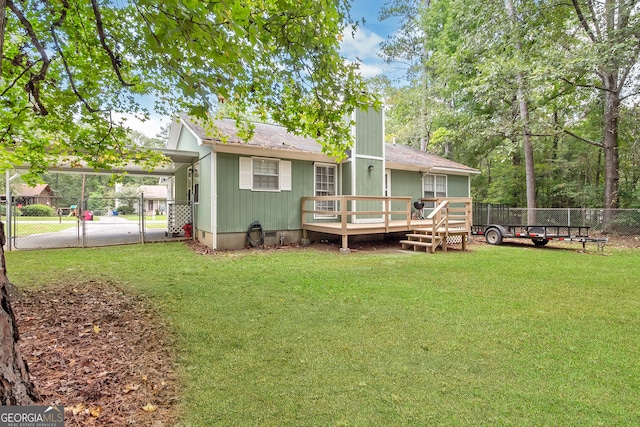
(7, 209)
(142, 217)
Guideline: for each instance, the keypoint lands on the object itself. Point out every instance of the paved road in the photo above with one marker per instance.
(106, 230)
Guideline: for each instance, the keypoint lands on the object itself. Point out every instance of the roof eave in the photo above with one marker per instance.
(252, 150)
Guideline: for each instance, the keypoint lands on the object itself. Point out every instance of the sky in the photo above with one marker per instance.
(365, 46)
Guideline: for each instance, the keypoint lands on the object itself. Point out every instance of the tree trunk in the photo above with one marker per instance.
(15, 386)
(524, 118)
(610, 143)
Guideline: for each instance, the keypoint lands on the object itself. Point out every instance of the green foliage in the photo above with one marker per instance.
(68, 67)
(465, 61)
(37, 210)
(125, 209)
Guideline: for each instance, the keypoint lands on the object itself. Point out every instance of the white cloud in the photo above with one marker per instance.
(365, 45)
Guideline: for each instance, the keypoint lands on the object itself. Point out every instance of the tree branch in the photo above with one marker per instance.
(32, 86)
(588, 141)
(3, 22)
(593, 18)
(13, 83)
(69, 74)
(583, 21)
(593, 86)
(103, 42)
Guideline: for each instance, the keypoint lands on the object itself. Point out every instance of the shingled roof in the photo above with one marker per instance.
(25, 190)
(278, 138)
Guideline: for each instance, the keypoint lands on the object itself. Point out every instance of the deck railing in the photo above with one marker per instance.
(459, 210)
(346, 209)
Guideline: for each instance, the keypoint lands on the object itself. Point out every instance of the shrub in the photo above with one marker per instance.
(125, 210)
(37, 210)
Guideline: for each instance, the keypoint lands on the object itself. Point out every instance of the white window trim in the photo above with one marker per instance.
(246, 174)
(335, 176)
(430, 205)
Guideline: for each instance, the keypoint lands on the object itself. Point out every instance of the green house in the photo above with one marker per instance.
(233, 185)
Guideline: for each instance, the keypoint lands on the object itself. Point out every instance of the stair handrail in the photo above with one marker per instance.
(439, 216)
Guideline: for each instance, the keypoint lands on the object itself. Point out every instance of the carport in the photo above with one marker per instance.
(111, 230)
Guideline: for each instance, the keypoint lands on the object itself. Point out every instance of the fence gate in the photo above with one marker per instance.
(70, 222)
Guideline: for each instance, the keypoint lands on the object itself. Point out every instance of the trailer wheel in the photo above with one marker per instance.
(493, 236)
(540, 241)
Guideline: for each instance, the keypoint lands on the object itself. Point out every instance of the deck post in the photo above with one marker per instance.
(345, 245)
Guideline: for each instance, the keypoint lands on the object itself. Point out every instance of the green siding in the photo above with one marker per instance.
(369, 133)
(457, 186)
(203, 207)
(347, 185)
(180, 184)
(405, 184)
(369, 183)
(237, 209)
(186, 141)
(202, 210)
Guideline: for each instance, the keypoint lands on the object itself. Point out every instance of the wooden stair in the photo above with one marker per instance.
(421, 241)
(447, 223)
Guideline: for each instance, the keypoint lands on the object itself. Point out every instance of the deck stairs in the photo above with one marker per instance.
(449, 223)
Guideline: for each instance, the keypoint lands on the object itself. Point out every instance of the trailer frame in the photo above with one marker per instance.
(539, 235)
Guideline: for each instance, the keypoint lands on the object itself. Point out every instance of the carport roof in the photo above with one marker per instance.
(178, 158)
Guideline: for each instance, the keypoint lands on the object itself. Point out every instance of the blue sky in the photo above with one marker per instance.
(365, 46)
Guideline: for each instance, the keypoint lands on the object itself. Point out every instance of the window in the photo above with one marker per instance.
(434, 186)
(193, 183)
(265, 175)
(325, 185)
(262, 174)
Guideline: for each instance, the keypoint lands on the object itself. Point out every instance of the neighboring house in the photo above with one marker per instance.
(234, 183)
(40, 194)
(155, 199)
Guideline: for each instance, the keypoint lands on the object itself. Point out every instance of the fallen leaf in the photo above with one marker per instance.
(149, 407)
(95, 412)
(72, 362)
(96, 329)
(131, 387)
(77, 409)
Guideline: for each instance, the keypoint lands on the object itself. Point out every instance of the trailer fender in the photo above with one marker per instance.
(494, 234)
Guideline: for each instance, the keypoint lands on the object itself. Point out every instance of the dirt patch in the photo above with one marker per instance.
(100, 352)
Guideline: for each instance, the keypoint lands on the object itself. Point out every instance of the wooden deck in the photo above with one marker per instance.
(356, 215)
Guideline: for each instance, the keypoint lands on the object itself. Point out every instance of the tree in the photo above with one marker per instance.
(609, 42)
(66, 66)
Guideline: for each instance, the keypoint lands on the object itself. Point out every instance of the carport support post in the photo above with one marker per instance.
(142, 217)
(80, 213)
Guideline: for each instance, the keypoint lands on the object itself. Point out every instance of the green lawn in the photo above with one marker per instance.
(28, 228)
(501, 335)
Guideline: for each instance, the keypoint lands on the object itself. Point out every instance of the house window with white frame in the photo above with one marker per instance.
(325, 185)
(264, 174)
(433, 186)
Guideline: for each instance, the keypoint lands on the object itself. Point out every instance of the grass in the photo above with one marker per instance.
(45, 218)
(136, 217)
(497, 336)
(29, 228)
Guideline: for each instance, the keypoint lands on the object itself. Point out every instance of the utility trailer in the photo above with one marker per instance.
(540, 235)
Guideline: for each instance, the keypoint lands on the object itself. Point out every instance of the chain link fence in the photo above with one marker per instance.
(64, 222)
(606, 222)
